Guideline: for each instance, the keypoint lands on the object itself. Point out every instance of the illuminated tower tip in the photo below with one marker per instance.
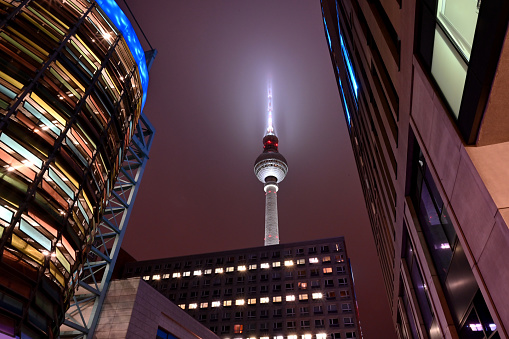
(270, 168)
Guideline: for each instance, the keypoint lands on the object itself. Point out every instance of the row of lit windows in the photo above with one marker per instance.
(290, 262)
(348, 335)
(265, 300)
(230, 269)
(278, 312)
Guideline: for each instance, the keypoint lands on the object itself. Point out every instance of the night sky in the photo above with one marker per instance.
(207, 100)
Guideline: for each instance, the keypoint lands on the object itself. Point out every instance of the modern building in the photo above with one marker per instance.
(270, 168)
(301, 290)
(73, 82)
(423, 86)
(133, 309)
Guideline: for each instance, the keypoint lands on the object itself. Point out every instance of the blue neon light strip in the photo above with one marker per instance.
(115, 14)
(344, 102)
(349, 66)
(327, 31)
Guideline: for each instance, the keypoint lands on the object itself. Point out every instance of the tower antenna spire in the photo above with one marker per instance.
(270, 128)
(270, 168)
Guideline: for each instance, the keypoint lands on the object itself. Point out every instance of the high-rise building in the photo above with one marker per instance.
(270, 168)
(73, 82)
(423, 86)
(301, 290)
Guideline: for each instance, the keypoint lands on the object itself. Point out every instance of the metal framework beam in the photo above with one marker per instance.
(83, 314)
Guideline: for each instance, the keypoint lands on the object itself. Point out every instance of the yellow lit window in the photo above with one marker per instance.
(265, 265)
(327, 270)
(182, 306)
(176, 275)
(276, 299)
(264, 300)
(239, 302)
(241, 268)
(166, 276)
(218, 270)
(216, 303)
(230, 269)
(187, 274)
(156, 277)
(303, 296)
(317, 295)
(207, 272)
(146, 277)
(288, 262)
(252, 267)
(290, 298)
(193, 306)
(204, 305)
(227, 303)
(276, 264)
(197, 272)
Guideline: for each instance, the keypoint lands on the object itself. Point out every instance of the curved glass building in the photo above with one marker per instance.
(73, 83)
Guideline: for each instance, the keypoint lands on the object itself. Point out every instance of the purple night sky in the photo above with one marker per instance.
(207, 100)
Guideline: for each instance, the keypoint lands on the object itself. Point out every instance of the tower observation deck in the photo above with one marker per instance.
(270, 168)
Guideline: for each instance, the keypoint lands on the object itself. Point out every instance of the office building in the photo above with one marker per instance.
(423, 88)
(73, 82)
(301, 290)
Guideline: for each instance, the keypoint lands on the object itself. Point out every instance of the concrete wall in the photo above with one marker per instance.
(133, 309)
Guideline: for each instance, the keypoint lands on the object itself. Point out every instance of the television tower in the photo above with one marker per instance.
(270, 168)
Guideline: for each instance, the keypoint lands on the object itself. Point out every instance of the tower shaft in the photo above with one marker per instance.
(271, 220)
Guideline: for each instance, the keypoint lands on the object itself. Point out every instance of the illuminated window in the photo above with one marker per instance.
(193, 306)
(326, 259)
(278, 328)
(197, 272)
(317, 295)
(340, 258)
(156, 277)
(252, 267)
(216, 303)
(313, 260)
(265, 265)
(146, 277)
(302, 285)
(238, 328)
(288, 262)
(290, 298)
(187, 274)
(276, 299)
(306, 325)
(301, 261)
(204, 305)
(227, 303)
(251, 301)
(241, 268)
(303, 297)
(208, 271)
(230, 269)
(293, 336)
(182, 306)
(176, 275)
(166, 276)
(321, 336)
(264, 300)
(327, 270)
(276, 264)
(239, 302)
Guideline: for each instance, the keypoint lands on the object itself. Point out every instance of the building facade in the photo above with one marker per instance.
(133, 309)
(288, 291)
(423, 83)
(73, 82)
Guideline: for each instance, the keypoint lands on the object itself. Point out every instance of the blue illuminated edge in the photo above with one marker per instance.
(118, 18)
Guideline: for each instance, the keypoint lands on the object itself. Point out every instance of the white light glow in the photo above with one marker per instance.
(476, 327)
(317, 295)
(216, 303)
(156, 277)
(176, 275)
(218, 270)
(198, 272)
(288, 262)
(264, 300)
(313, 260)
(241, 268)
(290, 298)
(240, 302)
(193, 306)
(265, 265)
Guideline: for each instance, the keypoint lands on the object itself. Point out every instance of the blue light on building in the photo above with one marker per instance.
(115, 14)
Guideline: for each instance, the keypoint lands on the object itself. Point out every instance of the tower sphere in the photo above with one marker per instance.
(270, 164)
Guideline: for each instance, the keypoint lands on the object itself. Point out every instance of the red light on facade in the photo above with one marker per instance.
(269, 142)
(270, 236)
